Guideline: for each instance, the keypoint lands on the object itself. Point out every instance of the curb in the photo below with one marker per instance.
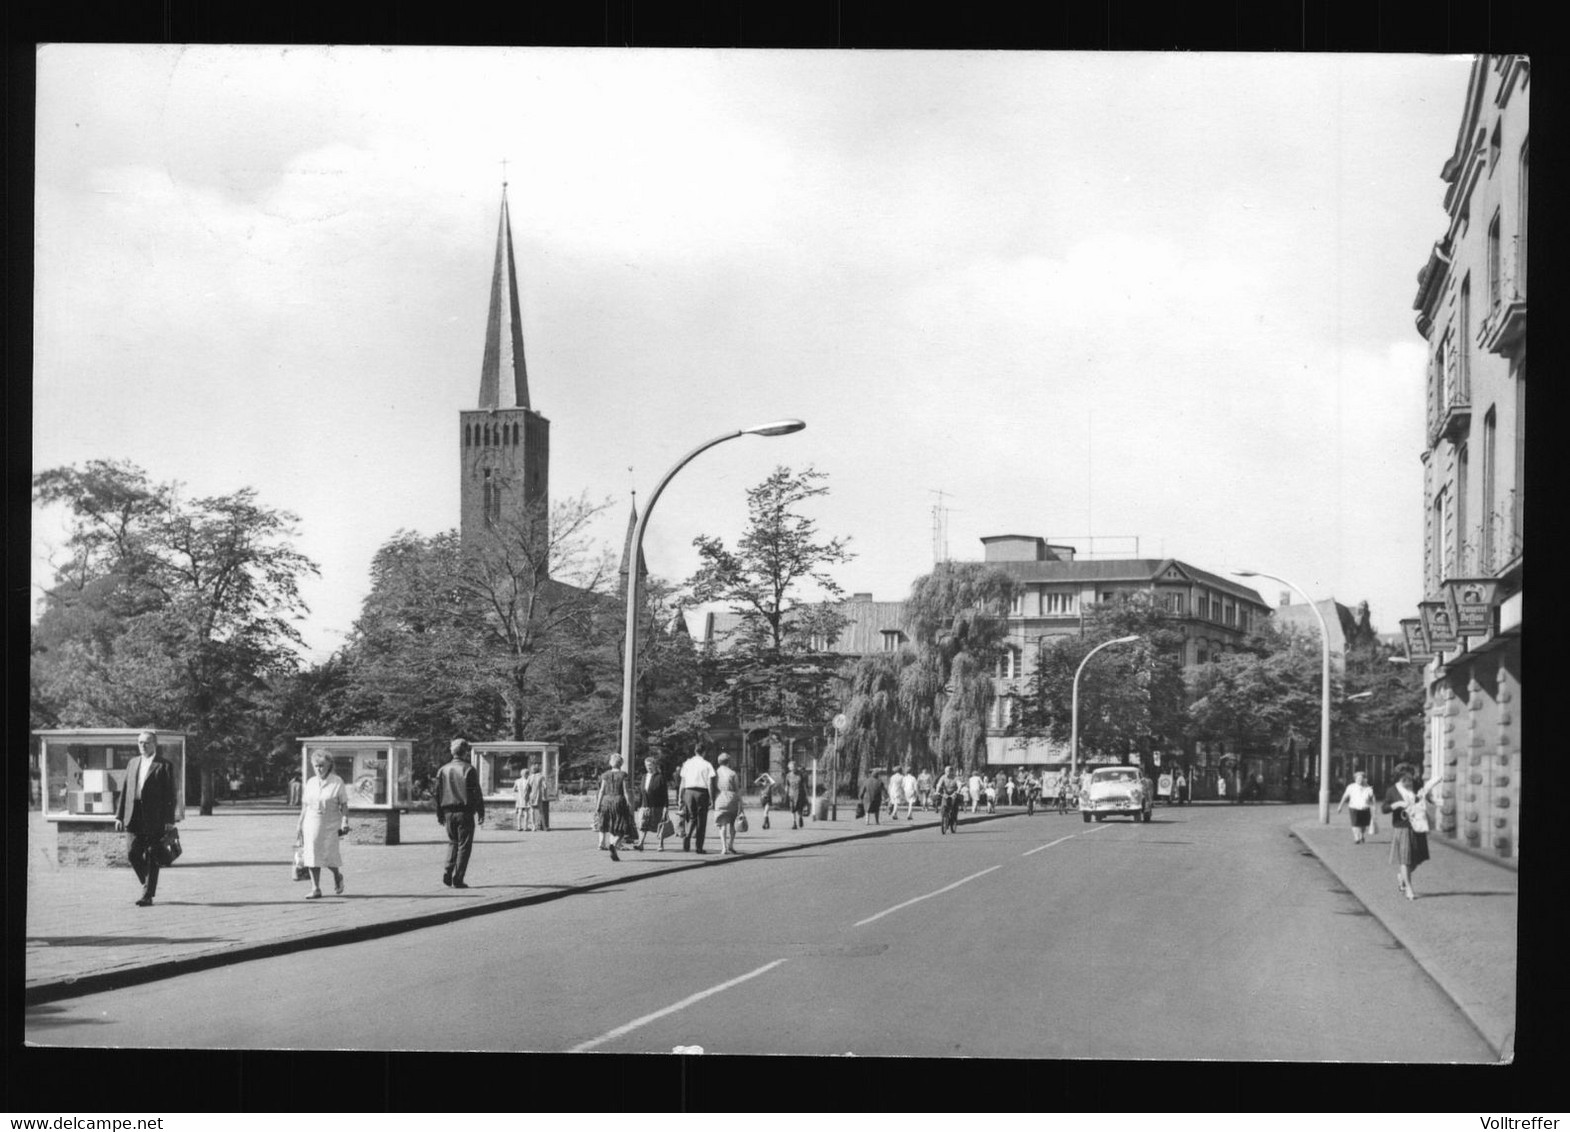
(1505, 1051)
(53, 990)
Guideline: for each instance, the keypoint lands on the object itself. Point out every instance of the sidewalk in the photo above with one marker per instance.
(1461, 929)
(230, 896)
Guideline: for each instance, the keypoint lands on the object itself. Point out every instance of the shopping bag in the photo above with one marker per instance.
(741, 823)
(169, 848)
(861, 810)
(300, 871)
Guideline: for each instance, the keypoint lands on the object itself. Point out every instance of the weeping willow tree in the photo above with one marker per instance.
(957, 615)
(876, 727)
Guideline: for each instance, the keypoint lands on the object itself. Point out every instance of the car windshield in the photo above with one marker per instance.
(1117, 776)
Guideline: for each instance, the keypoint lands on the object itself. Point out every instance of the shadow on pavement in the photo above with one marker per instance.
(122, 940)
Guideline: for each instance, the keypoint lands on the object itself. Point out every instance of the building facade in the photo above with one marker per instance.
(1052, 590)
(1471, 310)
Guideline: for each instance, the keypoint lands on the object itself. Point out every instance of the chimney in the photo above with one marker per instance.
(860, 597)
(1286, 597)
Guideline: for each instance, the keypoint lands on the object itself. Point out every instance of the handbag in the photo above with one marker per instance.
(741, 823)
(861, 809)
(300, 871)
(1417, 817)
(667, 828)
(169, 848)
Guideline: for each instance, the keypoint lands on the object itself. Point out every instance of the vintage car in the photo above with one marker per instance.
(1116, 790)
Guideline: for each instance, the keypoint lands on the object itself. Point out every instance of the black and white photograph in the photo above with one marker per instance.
(930, 554)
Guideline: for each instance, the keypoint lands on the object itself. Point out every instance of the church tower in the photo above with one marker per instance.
(504, 445)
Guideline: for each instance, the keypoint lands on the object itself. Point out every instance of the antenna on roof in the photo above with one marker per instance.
(940, 527)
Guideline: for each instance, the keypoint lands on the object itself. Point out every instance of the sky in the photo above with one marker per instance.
(1163, 296)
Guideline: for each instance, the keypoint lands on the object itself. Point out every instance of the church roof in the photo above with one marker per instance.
(504, 379)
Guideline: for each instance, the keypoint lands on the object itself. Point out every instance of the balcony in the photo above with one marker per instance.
(1454, 417)
(1504, 328)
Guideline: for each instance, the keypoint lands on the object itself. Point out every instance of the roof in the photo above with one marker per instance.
(1144, 571)
(504, 379)
(866, 622)
(1346, 626)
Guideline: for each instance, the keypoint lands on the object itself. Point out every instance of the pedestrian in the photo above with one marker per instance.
(765, 783)
(613, 808)
(991, 790)
(1180, 787)
(1008, 791)
(145, 811)
(656, 802)
(295, 789)
(796, 795)
(539, 800)
(896, 790)
(924, 788)
(973, 788)
(1407, 806)
(697, 792)
(727, 804)
(1358, 799)
(872, 796)
(947, 792)
(910, 794)
(522, 813)
(324, 818)
(460, 807)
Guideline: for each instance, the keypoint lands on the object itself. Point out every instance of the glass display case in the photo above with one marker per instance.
(379, 773)
(501, 763)
(84, 770)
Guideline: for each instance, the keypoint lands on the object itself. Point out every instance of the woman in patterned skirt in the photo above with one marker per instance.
(1408, 827)
(613, 808)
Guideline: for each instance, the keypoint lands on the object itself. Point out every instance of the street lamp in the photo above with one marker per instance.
(1324, 690)
(1073, 742)
(628, 675)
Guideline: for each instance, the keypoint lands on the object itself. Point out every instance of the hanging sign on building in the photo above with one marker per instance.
(1438, 626)
(1471, 602)
(1417, 650)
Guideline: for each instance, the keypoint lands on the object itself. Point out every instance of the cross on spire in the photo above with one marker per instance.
(504, 172)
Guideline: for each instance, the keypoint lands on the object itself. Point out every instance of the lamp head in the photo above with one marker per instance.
(1127, 639)
(776, 428)
(1244, 573)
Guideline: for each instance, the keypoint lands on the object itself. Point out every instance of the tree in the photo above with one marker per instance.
(512, 638)
(776, 670)
(166, 609)
(879, 725)
(1132, 697)
(957, 616)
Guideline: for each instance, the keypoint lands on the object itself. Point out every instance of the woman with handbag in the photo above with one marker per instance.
(727, 804)
(613, 808)
(324, 818)
(656, 803)
(765, 783)
(1408, 810)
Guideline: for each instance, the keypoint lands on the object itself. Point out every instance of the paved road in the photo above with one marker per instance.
(1208, 933)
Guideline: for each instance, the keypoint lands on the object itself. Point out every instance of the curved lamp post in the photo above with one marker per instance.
(630, 652)
(1073, 742)
(1324, 690)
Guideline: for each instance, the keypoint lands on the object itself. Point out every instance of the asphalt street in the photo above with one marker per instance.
(1207, 933)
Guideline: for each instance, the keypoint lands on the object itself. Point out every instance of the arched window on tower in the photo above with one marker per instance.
(466, 436)
(515, 432)
(491, 499)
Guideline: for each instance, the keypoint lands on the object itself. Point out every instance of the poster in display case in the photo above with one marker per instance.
(84, 770)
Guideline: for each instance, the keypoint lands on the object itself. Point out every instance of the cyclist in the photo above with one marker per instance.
(947, 792)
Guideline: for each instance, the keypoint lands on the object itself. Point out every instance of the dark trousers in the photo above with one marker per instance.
(460, 843)
(543, 807)
(697, 804)
(141, 849)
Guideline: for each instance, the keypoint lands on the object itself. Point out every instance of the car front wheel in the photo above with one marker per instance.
(1085, 816)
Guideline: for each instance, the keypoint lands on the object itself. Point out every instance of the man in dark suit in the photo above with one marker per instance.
(145, 811)
(459, 804)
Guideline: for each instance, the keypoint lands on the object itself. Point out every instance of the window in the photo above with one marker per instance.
(467, 429)
(1493, 145)
(491, 499)
(1011, 663)
(1520, 225)
(1017, 602)
(1173, 602)
(1494, 296)
(1463, 535)
(1216, 609)
(1202, 608)
(1447, 534)
(1058, 602)
(1231, 615)
(1242, 619)
(1436, 541)
(1488, 501)
(1204, 657)
(892, 639)
(1464, 347)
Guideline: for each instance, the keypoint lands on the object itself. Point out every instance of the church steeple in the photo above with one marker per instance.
(504, 379)
(626, 550)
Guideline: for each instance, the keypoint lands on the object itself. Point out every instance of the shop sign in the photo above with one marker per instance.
(1438, 626)
(1417, 650)
(1471, 602)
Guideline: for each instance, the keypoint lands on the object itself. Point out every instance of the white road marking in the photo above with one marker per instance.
(682, 1005)
(1048, 845)
(928, 896)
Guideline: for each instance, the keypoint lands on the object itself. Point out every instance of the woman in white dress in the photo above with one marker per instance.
(324, 818)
